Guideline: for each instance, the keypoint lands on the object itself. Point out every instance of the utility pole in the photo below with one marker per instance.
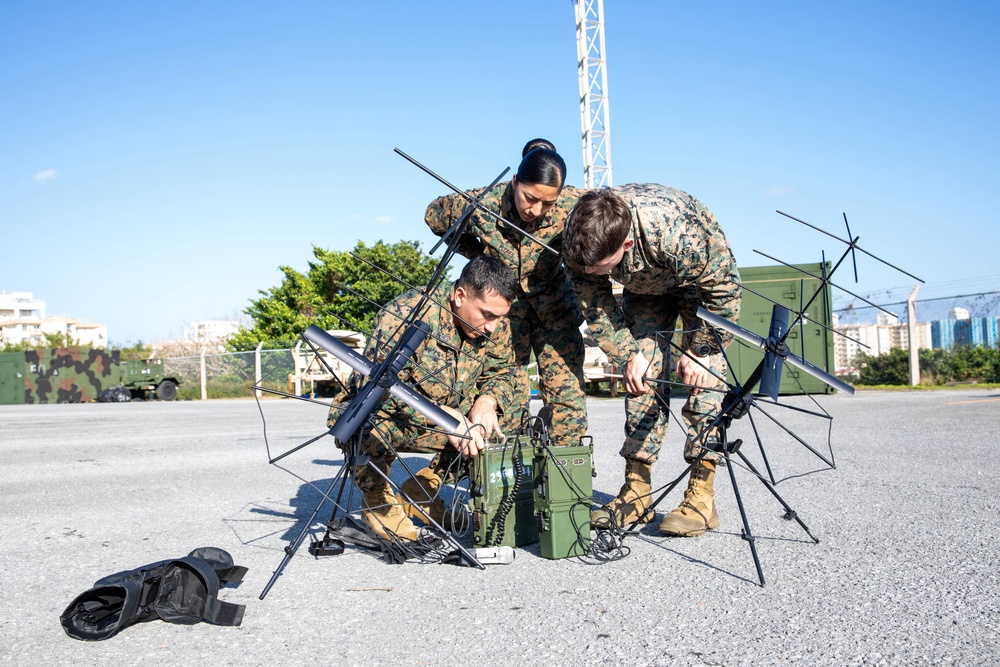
(914, 342)
(593, 76)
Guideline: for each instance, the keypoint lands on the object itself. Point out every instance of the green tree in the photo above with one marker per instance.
(50, 340)
(937, 366)
(138, 350)
(961, 364)
(890, 368)
(337, 292)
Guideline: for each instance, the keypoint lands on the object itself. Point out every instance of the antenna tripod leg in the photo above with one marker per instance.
(724, 448)
(790, 514)
(345, 474)
(291, 548)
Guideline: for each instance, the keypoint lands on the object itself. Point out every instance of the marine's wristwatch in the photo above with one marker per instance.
(702, 350)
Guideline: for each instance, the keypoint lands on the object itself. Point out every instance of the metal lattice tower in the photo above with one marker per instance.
(593, 93)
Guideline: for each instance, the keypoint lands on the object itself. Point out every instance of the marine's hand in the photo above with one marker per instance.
(692, 372)
(634, 377)
(467, 437)
(484, 413)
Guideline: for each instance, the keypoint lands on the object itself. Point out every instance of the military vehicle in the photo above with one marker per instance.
(324, 373)
(79, 375)
(145, 378)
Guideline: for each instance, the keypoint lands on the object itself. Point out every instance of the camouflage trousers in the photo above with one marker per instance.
(652, 320)
(549, 326)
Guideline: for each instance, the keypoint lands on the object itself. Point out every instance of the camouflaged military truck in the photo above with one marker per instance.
(79, 375)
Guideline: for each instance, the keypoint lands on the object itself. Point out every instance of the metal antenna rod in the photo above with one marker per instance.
(799, 318)
(853, 258)
(478, 205)
(852, 244)
(826, 280)
(413, 287)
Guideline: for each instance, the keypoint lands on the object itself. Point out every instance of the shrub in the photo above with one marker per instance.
(937, 367)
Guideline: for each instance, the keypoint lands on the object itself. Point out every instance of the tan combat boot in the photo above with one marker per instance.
(422, 489)
(632, 499)
(383, 515)
(696, 513)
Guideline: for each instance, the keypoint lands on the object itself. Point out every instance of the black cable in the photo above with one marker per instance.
(499, 522)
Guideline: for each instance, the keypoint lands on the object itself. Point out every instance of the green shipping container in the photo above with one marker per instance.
(13, 370)
(57, 375)
(811, 341)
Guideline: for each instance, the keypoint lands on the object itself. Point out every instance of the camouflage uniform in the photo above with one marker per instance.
(680, 261)
(446, 367)
(545, 317)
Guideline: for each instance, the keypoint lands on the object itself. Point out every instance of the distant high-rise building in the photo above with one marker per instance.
(886, 319)
(879, 339)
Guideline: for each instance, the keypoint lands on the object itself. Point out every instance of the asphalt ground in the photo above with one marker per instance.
(905, 572)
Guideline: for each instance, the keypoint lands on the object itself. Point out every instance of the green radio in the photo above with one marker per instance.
(501, 495)
(564, 484)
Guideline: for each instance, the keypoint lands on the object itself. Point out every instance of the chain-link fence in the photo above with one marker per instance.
(231, 374)
(984, 305)
(943, 323)
(940, 323)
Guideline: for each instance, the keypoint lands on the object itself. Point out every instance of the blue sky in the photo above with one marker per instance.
(160, 161)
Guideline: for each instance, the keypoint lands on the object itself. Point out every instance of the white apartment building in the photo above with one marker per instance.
(211, 331)
(880, 338)
(22, 318)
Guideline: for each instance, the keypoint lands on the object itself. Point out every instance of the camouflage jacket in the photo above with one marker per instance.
(679, 250)
(537, 270)
(446, 367)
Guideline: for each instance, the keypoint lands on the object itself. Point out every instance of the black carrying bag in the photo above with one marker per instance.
(179, 590)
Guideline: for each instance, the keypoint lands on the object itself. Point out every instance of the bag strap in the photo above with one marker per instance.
(223, 613)
(216, 611)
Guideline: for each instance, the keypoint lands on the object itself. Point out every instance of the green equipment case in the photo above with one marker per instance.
(564, 485)
(502, 507)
